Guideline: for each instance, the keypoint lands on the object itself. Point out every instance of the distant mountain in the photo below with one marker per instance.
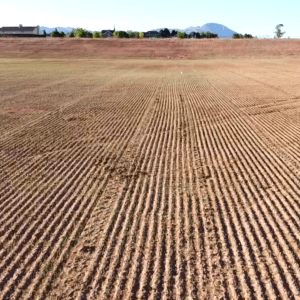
(64, 29)
(220, 29)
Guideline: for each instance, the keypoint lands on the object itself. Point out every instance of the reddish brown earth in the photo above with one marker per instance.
(170, 49)
(149, 179)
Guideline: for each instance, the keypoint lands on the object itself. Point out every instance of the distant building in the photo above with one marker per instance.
(21, 31)
(152, 34)
(192, 35)
(107, 33)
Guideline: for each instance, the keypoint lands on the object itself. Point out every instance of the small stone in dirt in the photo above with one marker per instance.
(73, 243)
(88, 249)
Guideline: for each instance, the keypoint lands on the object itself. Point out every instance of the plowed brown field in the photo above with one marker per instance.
(149, 179)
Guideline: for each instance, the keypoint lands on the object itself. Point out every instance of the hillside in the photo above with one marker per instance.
(157, 48)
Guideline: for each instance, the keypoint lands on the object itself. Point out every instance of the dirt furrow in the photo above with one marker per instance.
(149, 179)
(118, 216)
(188, 272)
(211, 189)
(47, 125)
(128, 277)
(108, 153)
(122, 263)
(108, 134)
(107, 130)
(8, 136)
(134, 126)
(118, 156)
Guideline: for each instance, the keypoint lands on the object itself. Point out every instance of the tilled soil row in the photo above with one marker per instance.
(158, 184)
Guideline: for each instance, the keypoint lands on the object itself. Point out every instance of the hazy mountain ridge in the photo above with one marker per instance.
(220, 29)
(64, 29)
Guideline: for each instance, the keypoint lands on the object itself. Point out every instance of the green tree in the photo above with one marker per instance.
(72, 34)
(55, 33)
(237, 36)
(174, 33)
(133, 34)
(97, 34)
(82, 33)
(141, 35)
(181, 35)
(208, 34)
(202, 35)
(165, 33)
(278, 32)
(248, 36)
(121, 34)
(211, 35)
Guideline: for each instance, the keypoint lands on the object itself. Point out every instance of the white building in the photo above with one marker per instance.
(21, 31)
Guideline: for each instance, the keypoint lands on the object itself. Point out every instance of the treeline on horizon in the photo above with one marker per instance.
(164, 33)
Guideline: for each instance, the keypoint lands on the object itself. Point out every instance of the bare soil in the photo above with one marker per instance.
(153, 48)
(149, 179)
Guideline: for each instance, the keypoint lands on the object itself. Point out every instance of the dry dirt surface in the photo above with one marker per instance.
(149, 179)
(153, 48)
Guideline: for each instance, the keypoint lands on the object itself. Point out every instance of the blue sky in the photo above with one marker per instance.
(258, 17)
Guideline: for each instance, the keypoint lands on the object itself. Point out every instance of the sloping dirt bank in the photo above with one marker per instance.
(170, 49)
